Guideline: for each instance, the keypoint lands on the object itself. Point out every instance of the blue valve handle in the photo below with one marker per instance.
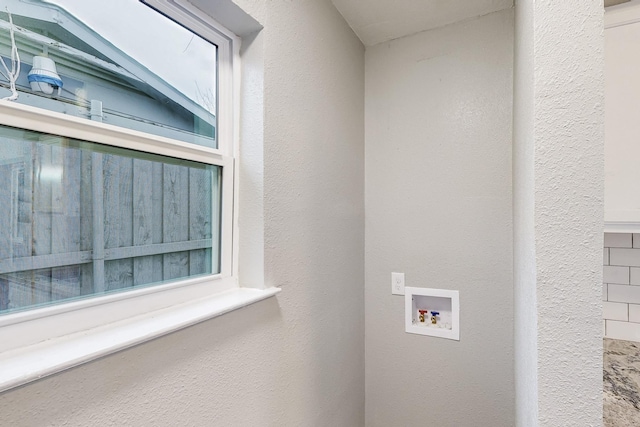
(435, 313)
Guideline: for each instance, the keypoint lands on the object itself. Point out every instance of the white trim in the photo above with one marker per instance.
(621, 227)
(250, 165)
(621, 15)
(236, 94)
(30, 327)
(621, 23)
(228, 222)
(228, 120)
(233, 17)
(34, 362)
(50, 122)
(621, 216)
(228, 44)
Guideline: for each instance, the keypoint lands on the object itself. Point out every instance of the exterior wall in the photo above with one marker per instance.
(132, 97)
(558, 204)
(297, 360)
(438, 203)
(130, 107)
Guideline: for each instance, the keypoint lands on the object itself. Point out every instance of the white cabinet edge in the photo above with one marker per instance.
(621, 227)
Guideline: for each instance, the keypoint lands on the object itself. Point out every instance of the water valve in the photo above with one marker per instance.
(434, 318)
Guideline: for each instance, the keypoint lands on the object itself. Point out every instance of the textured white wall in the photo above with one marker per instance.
(558, 210)
(439, 208)
(294, 361)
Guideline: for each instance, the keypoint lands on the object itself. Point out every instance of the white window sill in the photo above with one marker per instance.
(33, 362)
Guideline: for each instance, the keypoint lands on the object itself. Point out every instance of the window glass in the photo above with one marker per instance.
(93, 59)
(79, 218)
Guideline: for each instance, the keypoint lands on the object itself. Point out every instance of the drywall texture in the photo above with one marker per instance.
(438, 202)
(297, 360)
(559, 170)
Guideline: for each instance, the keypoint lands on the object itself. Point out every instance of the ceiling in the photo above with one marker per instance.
(377, 21)
(608, 3)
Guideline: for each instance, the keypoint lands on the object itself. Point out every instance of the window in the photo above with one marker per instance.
(117, 167)
(95, 61)
(85, 217)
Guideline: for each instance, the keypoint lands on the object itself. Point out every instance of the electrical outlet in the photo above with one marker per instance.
(397, 283)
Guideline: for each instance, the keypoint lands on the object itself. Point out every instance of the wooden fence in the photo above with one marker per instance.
(78, 219)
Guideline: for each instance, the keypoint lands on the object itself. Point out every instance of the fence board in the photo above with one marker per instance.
(142, 214)
(158, 203)
(21, 184)
(16, 227)
(117, 213)
(125, 209)
(125, 204)
(9, 291)
(199, 219)
(111, 191)
(42, 209)
(6, 219)
(65, 221)
(215, 218)
(155, 249)
(86, 219)
(175, 221)
(86, 201)
(13, 265)
(98, 218)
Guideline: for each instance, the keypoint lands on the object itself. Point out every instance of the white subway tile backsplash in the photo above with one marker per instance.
(621, 286)
(618, 256)
(623, 330)
(634, 313)
(623, 293)
(617, 240)
(619, 275)
(615, 311)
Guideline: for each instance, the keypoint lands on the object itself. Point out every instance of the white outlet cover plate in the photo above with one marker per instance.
(397, 283)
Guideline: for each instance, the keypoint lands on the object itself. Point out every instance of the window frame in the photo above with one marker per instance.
(31, 328)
